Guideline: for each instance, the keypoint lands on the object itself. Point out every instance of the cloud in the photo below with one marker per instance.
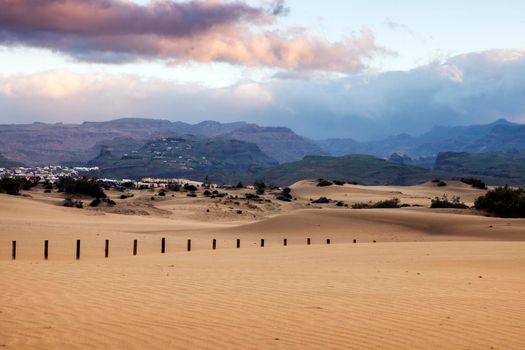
(203, 31)
(466, 89)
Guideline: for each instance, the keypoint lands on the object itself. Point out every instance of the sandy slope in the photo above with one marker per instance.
(418, 287)
(365, 296)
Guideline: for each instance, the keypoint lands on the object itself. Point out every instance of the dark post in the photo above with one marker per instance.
(285, 242)
(163, 246)
(46, 249)
(78, 249)
(355, 241)
(106, 250)
(14, 250)
(135, 243)
(262, 242)
(214, 244)
(238, 243)
(308, 241)
(189, 245)
(375, 241)
(328, 241)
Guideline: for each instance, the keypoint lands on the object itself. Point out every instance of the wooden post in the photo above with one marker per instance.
(262, 242)
(355, 241)
(189, 245)
(135, 243)
(238, 243)
(308, 241)
(46, 249)
(285, 242)
(163, 246)
(78, 249)
(328, 241)
(214, 244)
(14, 250)
(106, 249)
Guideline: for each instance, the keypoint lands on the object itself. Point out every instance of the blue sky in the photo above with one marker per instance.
(380, 36)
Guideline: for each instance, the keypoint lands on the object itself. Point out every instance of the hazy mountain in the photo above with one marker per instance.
(281, 144)
(495, 137)
(44, 144)
(222, 160)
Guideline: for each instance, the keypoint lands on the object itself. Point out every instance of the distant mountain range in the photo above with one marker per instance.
(229, 152)
(500, 136)
(44, 144)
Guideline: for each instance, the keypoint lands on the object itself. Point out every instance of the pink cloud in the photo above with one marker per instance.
(200, 31)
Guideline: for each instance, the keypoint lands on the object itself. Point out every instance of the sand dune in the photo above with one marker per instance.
(365, 296)
(443, 279)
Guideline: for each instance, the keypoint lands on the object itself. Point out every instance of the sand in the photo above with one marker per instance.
(433, 279)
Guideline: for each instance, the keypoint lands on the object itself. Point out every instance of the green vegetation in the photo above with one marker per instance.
(494, 168)
(83, 186)
(364, 169)
(504, 202)
(13, 186)
(476, 183)
(444, 202)
(386, 204)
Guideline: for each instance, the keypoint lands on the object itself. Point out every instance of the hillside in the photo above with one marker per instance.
(7, 163)
(493, 168)
(362, 169)
(195, 158)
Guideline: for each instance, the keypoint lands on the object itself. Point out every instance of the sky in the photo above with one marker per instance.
(349, 68)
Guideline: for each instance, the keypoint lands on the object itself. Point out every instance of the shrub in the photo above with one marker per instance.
(190, 188)
(162, 193)
(323, 183)
(386, 204)
(444, 202)
(175, 187)
(251, 196)
(95, 203)
(339, 183)
(476, 183)
(207, 193)
(285, 195)
(10, 186)
(192, 194)
(70, 203)
(240, 185)
(83, 186)
(503, 202)
(322, 200)
(441, 184)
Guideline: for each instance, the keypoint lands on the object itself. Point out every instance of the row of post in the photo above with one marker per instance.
(162, 249)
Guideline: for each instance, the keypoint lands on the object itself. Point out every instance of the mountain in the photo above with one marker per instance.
(7, 163)
(499, 136)
(493, 168)
(222, 160)
(363, 169)
(76, 144)
(281, 144)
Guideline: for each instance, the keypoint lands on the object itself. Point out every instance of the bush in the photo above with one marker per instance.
(70, 203)
(83, 186)
(192, 194)
(175, 187)
(190, 188)
(207, 193)
(339, 183)
(444, 202)
(386, 204)
(250, 196)
(322, 200)
(476, 183)
(441, 184)
(285, 195)
(503, 202)
(323, 183)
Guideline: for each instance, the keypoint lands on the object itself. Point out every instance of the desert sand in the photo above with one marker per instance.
(444, 279)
